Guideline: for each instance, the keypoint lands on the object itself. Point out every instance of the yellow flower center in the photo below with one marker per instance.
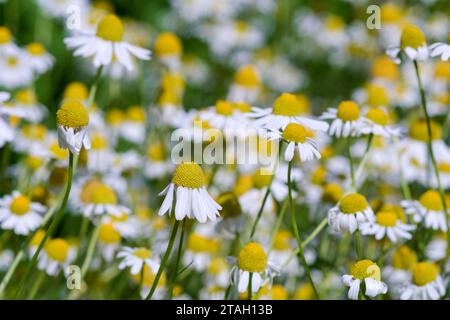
(20, 205)
(34, 131)
(334, 23)
(384, 67)
(296, 133)
(168, 44)
(98, 142)
(261, 180)
(102, 194)
(76, 91)
(156, 152)
(442, 70)
(278, 292)
(34, 163)
(247, 76)
(288, 105)
(36, 49)
(243, 184)
(37, 238)
(142, 253)
(12, 61)
(108, 234)
(398, 210)
(365, 269)
(242, 107)
(419, 131)
(431, 200)
(25, 96)
(353, 203)
(424, 273)
(377, 116)
(59, 153)
(404, 258)
(136, 114)
(387, 218)
(444, 167)
(412, 37)
(115, 117)
(252, 258)
(57, 249)
(318, 175)
(390, 13)
(189, 175)
(199, 243)
(72, 114)
(217, 265)
(282, 240)
(5, 35)
(304, 292)
(224, 108)
(110, 28)
(230, 205)
(377, 96)
(332, 192)
(348, 111)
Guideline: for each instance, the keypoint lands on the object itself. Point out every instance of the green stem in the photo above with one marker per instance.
(10, 272)
(173, 235)
(350, 160)
(178, 260)
(430, 149)
(278, 223)
(249, 291)
(297, 233)
(363, 162)
(90, 251)
(93, 89)
(37, 284)
(358, 244)
(51, 228)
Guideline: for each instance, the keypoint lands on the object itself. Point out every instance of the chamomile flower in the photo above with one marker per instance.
(20, 214)
(199, 251)
(99, 157)
(72, 120)
(428, 209)
(7, 131)
(368, 272)
(287, 108)
(40, 60)
(16, 70)
(58, 8)
(33, 111)
(252, 259)
(426, 283)
(246, 86)
(436, 249)
(351, 211)
(232, 219)
(7, 45)
(346, 120)
(412, 43)
(441, 49)
(107, 44)
(133, 126)
(108, 240)
(192, 199)
(136, 258)
(388, 224)
(100, 200)
(376, 122)
(157, 165)
(168, 49)
(56, 256)
(300, 138)
(399, 272)
(224, 115)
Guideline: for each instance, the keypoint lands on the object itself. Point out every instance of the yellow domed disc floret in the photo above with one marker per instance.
(252, 258)
(110, 28)
(168, 43)
(353, 203)
(247, 76)
(57, 249)
(419, 130)
(36, 49)
(424, 273)
(25, 96)
(377, 116)
(5, 35)
(142, 253)
(332, 192)
(412, 37)
(189, 175)
(102, 194)
(72, 114)
(348, 111)
(20, 205)
(287, 105)
(76, 91)
(386, 218)
(224, 108)
(282, 240)
(404, 258)
(431, 200)
(365, 269)
(294, 132)
(198, 243)
(108, 234)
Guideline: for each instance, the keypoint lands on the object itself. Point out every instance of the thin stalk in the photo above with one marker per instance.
(363, 162)
(173, 235)
(10, 272)
(278, 223)
(249, 290)
(430, 149)
(178, 260)
(36, 285)
(261, 209)
(58, 216)
(297, 233)
(93, 89)
(90, 251)
(358, 244)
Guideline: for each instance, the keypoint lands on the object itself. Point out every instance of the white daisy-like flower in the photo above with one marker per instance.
(346, 120)
(226, 116)
(102, 200)
(133, 127)
(429, 209)
(441, 49)
(351, 211)
(19, 214)
(192, 200)
(26, 101)
(376, 122)
(300, 138)
(157, 165)
(199, 251)
(72, 120)
(287, 108)
(109, 240)
(168, 50)
(246, 86)
(7, 45)
(436, 249)
(16, 70)
(252, 259)
(136, 258)
(7, 132)
(99, 157)
(368, 272)
(399, 273)
(412, 43)
(40, 60)
(58, 8)
(426, 283)
(56, 256)
(107, 44)
(388, 224)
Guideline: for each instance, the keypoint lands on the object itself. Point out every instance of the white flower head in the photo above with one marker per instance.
(413, 45)
(346, 120)
(441, 49)
(136, 258)
(388, 225)
(426, 283)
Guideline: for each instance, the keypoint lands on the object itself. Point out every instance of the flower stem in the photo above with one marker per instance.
(363, 162)
(90, 251)
(36, 285)
(58, 216)
(278, 223)
(261, 209)
(358, 244)
(177, 263)
(350, 161)
(249, 289)
(173, 235)
(93, 89)
(297, 234)
(10, 272)
(430, 149)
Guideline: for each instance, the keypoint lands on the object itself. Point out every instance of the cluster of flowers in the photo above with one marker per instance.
(365, 180)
